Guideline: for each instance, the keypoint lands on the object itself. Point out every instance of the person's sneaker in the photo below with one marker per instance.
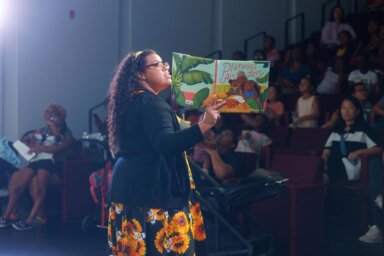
(5, 223)
(40, 221)
(21, 225)
(4, 192)
(379, 201)
(373, 235)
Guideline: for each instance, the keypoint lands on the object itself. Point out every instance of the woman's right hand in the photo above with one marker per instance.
(210, 117)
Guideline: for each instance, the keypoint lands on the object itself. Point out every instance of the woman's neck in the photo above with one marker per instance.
(306, 95)
(348, 124)
(148, 88)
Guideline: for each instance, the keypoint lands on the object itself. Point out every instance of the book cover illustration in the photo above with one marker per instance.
(242, 84)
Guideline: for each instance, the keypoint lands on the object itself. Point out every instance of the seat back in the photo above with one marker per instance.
(309, 139)
(299, 169)
(249, 162)
(289, 101)
(279, 135)
(328, 103)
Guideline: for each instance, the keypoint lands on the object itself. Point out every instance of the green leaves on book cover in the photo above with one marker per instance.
(183, 73)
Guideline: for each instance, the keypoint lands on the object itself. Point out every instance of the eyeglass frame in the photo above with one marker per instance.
(164, 65)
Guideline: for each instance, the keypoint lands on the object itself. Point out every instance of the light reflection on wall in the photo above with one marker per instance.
(3, 12)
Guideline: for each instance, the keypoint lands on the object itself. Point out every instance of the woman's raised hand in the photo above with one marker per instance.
(211, 115)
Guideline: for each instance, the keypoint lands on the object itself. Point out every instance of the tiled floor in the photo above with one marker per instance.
(53, 239)
(344, 241)
(62, 240)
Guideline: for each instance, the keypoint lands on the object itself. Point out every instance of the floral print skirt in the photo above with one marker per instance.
(137, 231)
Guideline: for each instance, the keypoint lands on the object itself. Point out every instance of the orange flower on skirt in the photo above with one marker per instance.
(179, 223)
(199, 231)
(196, 211)
(136, 226)
(119, 208)
(112, 213)
(127, 228)
(159, 241)
(180, 244)
(140, 248)
(109, 231)
(155, 215)
(129, 246)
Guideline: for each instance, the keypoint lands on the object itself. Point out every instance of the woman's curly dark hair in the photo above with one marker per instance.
(123, 87)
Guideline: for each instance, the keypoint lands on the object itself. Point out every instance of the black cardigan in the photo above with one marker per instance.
(151, 171)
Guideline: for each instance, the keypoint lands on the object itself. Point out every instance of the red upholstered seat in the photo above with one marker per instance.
(305, 141)
(309, 139)
(70, 198)
(296, 219)
(348, 206)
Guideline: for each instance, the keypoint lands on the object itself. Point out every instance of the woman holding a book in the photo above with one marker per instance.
(44, 143)
(153, 208)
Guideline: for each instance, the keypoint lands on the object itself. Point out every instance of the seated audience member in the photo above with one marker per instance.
(378, 109)
(199, 156)
(357, 137)
(358, 91)
(329, 83)
(47, 143)
(346, 48)
(341, 68)
(259, 54)
(222, 161)
(271, 53)
(331, 30)
(312, 56)
(307, 106)
(274, 107)
(364, 75)
(373, 46)
(238, 55)
(293, 71)
(253, 138)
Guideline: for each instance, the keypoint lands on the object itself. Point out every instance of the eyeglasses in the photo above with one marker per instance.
(163, 65)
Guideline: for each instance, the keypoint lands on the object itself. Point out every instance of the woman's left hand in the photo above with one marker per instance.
(36, 148)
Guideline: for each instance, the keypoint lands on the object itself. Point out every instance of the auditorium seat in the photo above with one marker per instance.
(296, 219)
(70, 197)
(301, 141)
(348, 205)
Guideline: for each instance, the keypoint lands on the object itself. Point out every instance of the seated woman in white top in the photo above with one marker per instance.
(331, 30)
(53, 139)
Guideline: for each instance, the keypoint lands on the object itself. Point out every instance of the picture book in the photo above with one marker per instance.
(243, 85)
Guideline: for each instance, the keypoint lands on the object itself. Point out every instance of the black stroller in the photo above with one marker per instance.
(223, 203)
